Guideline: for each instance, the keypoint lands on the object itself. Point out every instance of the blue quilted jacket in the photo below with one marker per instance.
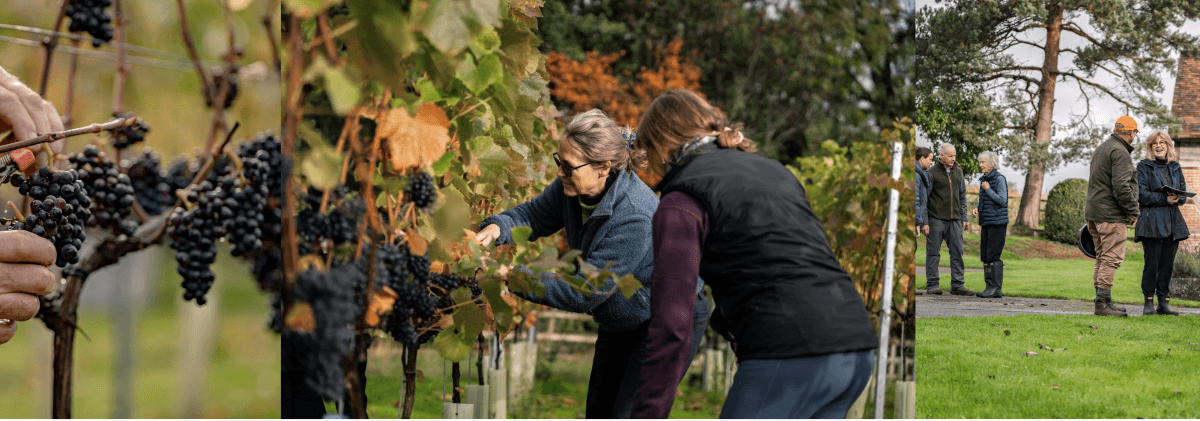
(993, 202)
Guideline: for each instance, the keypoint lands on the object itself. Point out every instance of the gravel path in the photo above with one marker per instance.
(947, 305)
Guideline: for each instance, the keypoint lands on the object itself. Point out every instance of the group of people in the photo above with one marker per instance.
(1119, 194)
(728, 218)
(941, 207)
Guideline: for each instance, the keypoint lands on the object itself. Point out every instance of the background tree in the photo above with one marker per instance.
(967, 53)
(795, 73)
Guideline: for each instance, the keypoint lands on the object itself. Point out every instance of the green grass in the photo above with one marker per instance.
(243, 378)
(561, 394)
(1124, 368)
(1029, 276)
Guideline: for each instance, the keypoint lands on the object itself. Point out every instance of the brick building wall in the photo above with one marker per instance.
(1186, 105)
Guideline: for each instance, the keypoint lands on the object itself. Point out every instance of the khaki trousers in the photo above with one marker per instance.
(1110, 251)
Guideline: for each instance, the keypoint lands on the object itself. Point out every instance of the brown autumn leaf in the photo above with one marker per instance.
(414, 142)
(1006, 333)
(1029, 353)
(1055, 387)
(311, 261)
(416, 243)
(381, 302)
(300, 318)
(437, 267)
(569, 401)
(531, 320)
(1094, 327)
(1045, 347)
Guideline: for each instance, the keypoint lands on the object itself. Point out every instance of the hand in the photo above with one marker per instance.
(1172, 199)
(984, 185)
(967, 226)
(1133, 219)
(488, 235)
(24, 258)
(925, 229)
(27, 115)
(975, 213)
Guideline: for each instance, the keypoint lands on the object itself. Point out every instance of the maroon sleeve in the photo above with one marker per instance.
(680, 226)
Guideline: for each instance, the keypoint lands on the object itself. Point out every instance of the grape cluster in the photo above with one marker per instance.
(247, 202)
(90, 16)
(179, 176)
(150, 184)
(125, 137)
(194, 234)
(217, 80)
(59, 210)
(112, 191)
(331, 295)
(269, 144)
(421, 190)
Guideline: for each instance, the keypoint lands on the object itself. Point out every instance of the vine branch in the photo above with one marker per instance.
(51, 42)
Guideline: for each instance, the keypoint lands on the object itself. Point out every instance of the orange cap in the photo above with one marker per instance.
(1126, 123)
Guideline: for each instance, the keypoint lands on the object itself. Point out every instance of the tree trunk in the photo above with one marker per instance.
(1031, 196)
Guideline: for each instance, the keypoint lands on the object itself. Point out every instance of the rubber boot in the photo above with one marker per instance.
(1104, 305)
(1148, 309)
(1163, 307)
(998, 279)
(987, 280)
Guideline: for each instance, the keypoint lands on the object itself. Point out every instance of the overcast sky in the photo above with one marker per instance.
(1069, 103)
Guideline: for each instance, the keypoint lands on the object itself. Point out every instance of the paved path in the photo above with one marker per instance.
(947, 305)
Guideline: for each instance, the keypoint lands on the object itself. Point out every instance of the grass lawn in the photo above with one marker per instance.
(1038, 268)
(1137, 367)
(243, 378)
(561, 392)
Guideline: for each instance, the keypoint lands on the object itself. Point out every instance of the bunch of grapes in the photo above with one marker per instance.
(90, 16)
(112, 191)
(247, 201)
(150, 183)
(218, 79)
(270, 145)
(193, 235)
(126, 136)
(59, 210)
(331, 295)
(421, 190)
(179, 176)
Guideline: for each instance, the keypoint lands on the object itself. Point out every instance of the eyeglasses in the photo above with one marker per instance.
(566, 169)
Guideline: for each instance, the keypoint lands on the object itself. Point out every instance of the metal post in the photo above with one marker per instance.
(885, 306)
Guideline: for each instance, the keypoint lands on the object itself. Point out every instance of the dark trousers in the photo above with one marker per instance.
(617, 367)
(951, 232)
(299, 400)
(1160, 260)
(810, 387)
(991, 242)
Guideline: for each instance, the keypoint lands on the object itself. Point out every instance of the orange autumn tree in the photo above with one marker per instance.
(592, 84)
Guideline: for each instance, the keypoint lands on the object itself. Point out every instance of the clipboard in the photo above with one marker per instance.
(1177, 192)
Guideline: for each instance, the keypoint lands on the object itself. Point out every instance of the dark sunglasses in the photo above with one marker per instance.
(567, 170)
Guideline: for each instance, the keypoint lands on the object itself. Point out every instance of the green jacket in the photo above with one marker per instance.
(947, 193)
(1112, 193)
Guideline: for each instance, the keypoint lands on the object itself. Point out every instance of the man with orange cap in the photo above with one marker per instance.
(1112, 202)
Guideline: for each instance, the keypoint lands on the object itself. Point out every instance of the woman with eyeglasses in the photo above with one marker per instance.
(800, 331)
(606, 211)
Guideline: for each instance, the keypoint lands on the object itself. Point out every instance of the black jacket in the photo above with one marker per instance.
(993, 202)
(1159, 219)
(923, 182)
(947, 193)
(773, 275)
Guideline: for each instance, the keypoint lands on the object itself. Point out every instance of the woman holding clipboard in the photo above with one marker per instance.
(1160, 228)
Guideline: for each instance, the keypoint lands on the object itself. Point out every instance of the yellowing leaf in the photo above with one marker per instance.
(381, 303)
(300, 318)
(414, 142)
(416, 243)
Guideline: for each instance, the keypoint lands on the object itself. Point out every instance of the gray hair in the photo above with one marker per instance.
(599, 139)
(942, 148)
(991, 158)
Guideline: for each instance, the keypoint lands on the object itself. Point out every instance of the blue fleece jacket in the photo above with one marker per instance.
(618, 231)
(923, 183)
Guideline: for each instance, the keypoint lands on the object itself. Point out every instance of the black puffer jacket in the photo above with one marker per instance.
(1159, 219)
